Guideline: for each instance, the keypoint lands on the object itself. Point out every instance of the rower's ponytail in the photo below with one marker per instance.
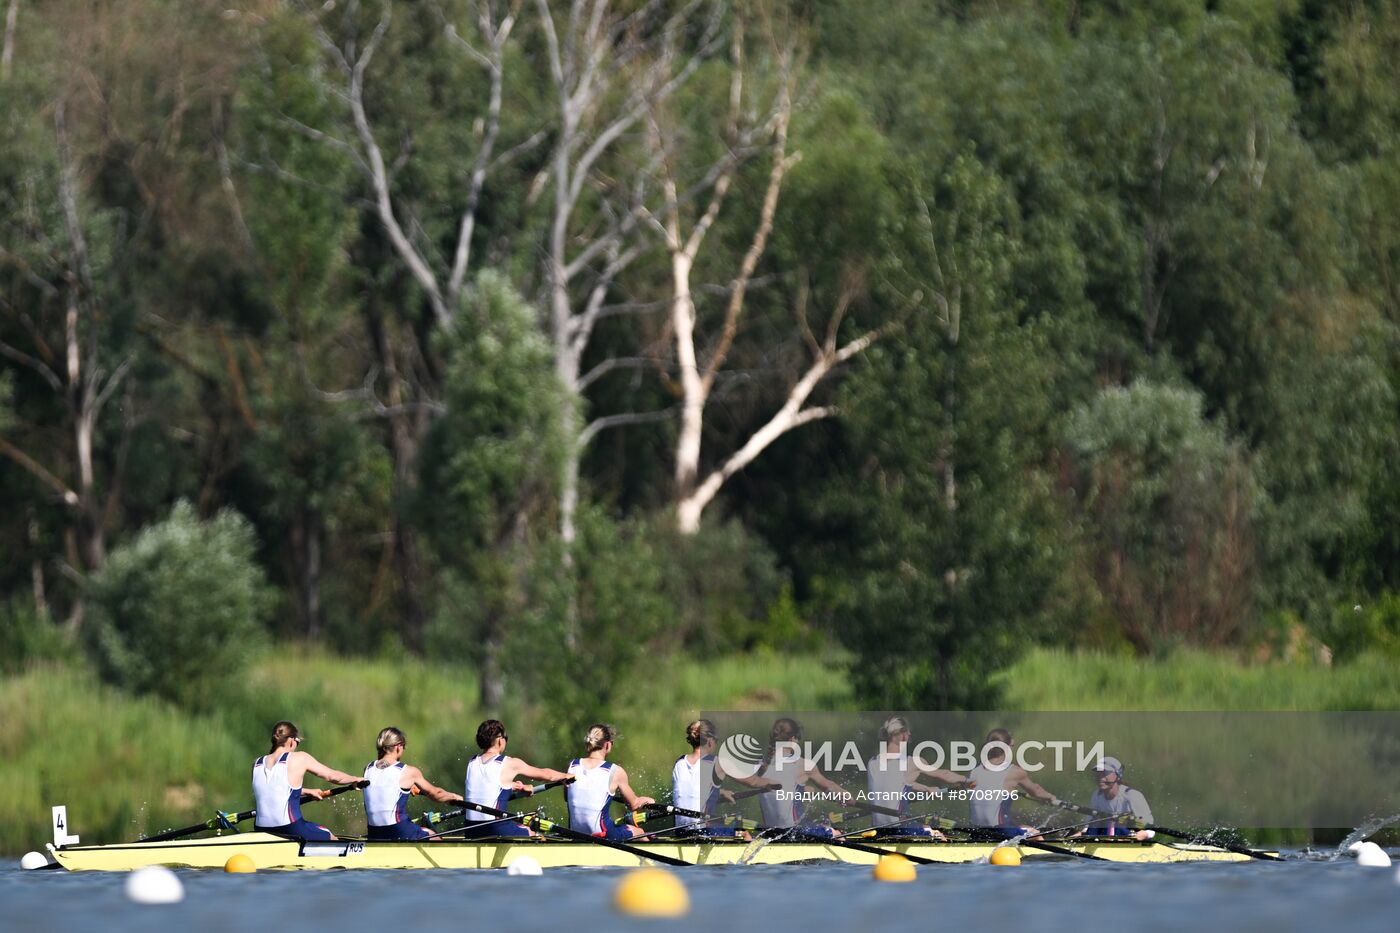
(699, 732)
(281, 732)
(389, 737)
(598, 735)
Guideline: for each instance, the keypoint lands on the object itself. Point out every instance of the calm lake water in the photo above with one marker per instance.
(1267, 896)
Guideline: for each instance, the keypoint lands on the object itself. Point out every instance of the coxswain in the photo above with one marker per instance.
(1113, 796)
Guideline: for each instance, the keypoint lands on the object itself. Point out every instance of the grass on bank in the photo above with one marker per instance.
(127, 766)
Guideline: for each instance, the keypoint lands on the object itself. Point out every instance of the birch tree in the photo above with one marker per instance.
(608, 72)
(57, 302)
(683, 227)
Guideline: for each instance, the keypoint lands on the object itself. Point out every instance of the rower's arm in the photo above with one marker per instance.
(944, 775)
(1035, 790)
(821, 780)
(624, 789)
(304, 763)
(416, 779)
(521, 769)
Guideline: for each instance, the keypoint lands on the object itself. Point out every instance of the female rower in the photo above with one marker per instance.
(597, 782)
(277, 790)
(999, 782)
(493, 774)
(893, 775)
(696, 780)
(390, 782)
(785, 768)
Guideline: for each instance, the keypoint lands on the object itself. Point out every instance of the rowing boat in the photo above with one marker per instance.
(274, 852)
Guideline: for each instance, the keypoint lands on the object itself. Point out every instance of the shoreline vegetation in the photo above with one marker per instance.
(127, 766)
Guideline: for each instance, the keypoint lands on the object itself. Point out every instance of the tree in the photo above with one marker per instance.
(490, 468)
(178, 610)
(1170, 510)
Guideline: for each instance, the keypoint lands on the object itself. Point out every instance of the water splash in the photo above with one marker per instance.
(1364, 831)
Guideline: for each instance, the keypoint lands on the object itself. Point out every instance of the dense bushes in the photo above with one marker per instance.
(178, 610)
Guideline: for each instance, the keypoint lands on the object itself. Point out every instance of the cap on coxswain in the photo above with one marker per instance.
(1110, 764)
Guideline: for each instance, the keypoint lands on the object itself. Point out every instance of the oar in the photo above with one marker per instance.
(430, 818)
(566, 833)
(227, 820)
(1042, 846)
(666, 809)
(1129, 820)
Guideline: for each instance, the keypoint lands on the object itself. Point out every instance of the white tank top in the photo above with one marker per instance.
(278, 803)
(589, 797)
(693, 787)
(386, 803)
(989, 803)
(784, 771)
(889, 780)
(484, 786)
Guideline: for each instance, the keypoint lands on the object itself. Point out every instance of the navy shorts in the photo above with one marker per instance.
(403, 829)
(301, 829)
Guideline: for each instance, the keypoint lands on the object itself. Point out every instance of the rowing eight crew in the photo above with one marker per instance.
(696, 785)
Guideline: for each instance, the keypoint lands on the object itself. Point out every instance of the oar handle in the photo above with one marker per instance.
(541, 788)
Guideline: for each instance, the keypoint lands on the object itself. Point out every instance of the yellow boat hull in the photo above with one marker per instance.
(273, 852)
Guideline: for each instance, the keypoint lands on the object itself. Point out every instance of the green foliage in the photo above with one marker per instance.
(1169, 508)
(178, 610)
(726, 591)
(1355, 630)
(27, 637)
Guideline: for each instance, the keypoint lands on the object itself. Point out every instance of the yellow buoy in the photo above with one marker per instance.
(894, 868)
(651, 892)
(1005, 855)
(239, 864)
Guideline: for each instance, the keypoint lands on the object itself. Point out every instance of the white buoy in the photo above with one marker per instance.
(33, 860)
(524, 865)
(154, 885)
(1371, 855)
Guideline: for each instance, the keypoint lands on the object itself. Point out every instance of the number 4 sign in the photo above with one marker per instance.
(60, 828)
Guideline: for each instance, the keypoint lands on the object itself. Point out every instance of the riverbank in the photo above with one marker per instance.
(126, 765)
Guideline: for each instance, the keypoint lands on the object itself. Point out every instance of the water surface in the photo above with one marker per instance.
(1278, 897)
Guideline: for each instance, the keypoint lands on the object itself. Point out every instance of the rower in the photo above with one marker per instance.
(999, 780)
(893, 775)
(696, 781)
(277, 786)
(1113, 796)
(492, 775)
(788, 772)
(597, 782)
(391, 782)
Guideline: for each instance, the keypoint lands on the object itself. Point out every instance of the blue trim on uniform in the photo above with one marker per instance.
(508, 829)
(294, 805)
(404, 829)
(300, 829)
(905, 829)
(614, 831)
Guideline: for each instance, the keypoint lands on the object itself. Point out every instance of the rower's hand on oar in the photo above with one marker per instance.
(644, 802)
(727, 796)
(314, 793)
(521, 787)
